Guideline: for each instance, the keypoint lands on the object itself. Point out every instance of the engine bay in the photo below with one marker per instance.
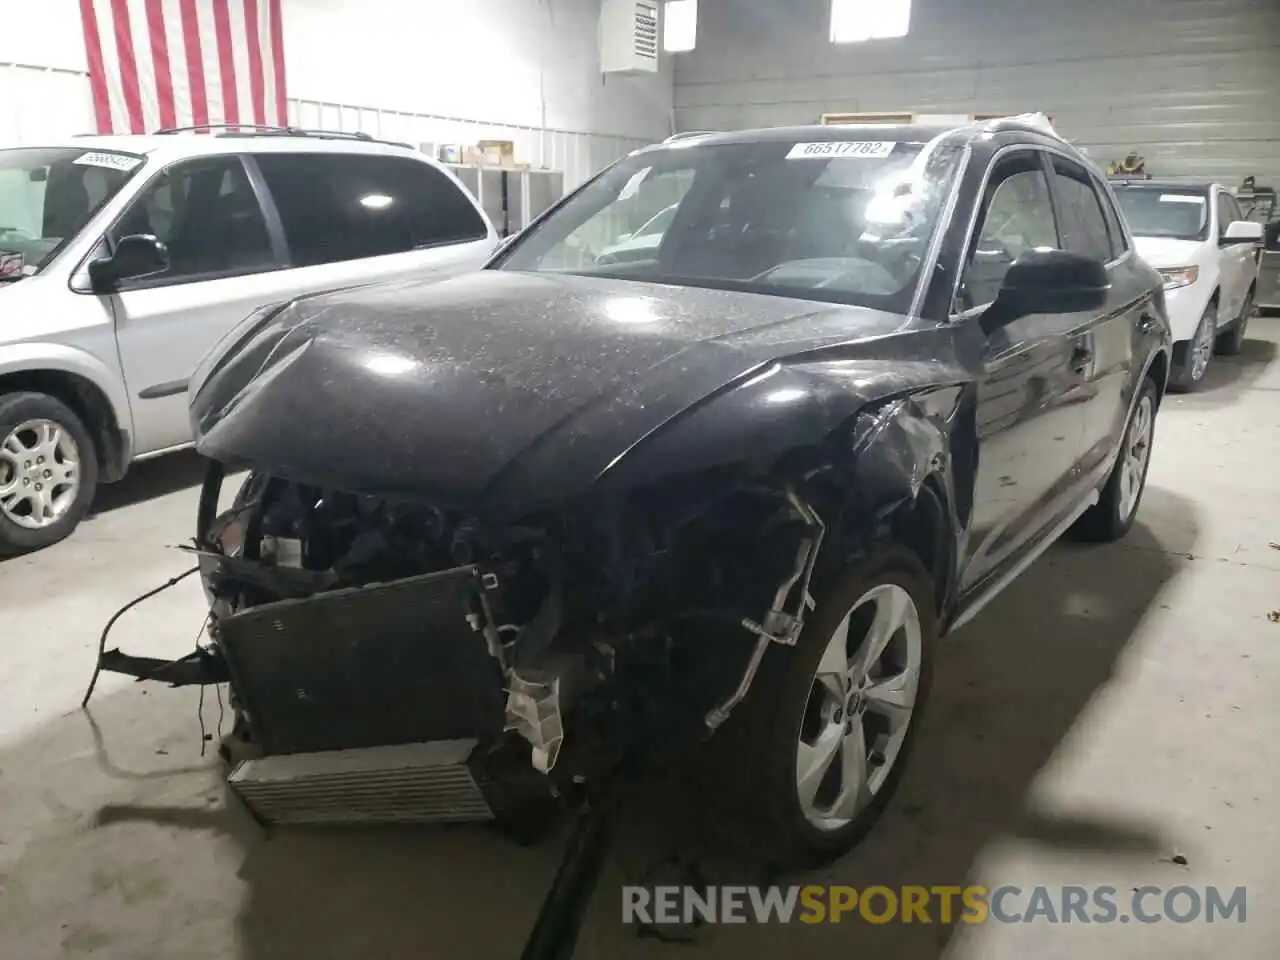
(564, 645)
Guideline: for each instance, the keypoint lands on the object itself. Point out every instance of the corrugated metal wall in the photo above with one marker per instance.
(1194, 85)
(39, 103)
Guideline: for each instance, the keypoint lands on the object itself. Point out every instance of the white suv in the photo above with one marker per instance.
(1197, 237)
(124, 259)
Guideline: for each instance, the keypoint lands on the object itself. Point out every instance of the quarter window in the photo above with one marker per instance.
(1119, 245)
(1018, 217)
(338, 207)
(206, 212)
(1084, 227)
(1228, 211)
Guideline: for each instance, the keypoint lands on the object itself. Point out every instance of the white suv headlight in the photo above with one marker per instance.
(1176, 277)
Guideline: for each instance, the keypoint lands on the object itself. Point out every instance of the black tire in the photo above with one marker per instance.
(1109, 519)
(752, 768)
(1231, 340)
(17, 409)
(1184, 378)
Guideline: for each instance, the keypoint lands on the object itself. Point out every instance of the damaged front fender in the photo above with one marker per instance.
(890, 447)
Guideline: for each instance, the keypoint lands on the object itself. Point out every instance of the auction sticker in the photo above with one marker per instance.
(842, 149)
(113, 161)
(11, 265)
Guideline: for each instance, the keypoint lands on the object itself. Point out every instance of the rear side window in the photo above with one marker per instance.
(1228, 212)
(338, 207)
(1083, 225)
(1118, 243)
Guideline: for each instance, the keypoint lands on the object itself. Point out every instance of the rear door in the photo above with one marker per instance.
(352, 218)
(1104, 355)
(1029, 416)
(1239, 261)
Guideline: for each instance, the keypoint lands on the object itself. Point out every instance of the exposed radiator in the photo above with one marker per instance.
(406, 783)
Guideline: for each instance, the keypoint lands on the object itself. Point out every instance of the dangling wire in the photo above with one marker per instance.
(106, 631)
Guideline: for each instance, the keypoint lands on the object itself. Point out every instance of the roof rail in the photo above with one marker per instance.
(265, 130)
(1021, 121)
(257, 127)
(303, 132)
(686, 136)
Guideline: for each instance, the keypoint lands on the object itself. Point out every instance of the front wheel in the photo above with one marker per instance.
(48, 471)
(814, 753)
(1230, 341)
(1112, 516)
(1191, 359)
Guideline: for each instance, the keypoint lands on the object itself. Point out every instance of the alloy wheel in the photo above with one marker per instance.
(1134, 456)
(1202, 345)
(860, 706)
(39, 474)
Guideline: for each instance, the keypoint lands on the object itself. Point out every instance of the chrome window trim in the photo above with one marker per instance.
(955, 316)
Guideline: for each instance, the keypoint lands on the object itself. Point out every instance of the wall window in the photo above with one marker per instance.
(338, 207)
(854, 21)
(206, 213)
(679, 25)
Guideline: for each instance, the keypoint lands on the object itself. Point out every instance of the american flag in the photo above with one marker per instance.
(171, 63)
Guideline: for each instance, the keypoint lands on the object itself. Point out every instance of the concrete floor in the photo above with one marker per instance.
(1114, 708)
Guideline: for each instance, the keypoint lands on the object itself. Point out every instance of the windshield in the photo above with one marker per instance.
(1164, 212)
(659, 224)
(841, 221)
(47, 195)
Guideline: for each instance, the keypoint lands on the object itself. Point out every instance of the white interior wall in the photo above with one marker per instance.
(416, 70)
(1194, 85)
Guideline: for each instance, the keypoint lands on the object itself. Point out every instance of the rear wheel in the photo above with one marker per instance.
(1112, 516)
(1229, 342)
(1191, 359)
(811, 757)
(48, 471)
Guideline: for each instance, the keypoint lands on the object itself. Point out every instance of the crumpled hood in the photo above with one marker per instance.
(493, 387)
(1163, 252)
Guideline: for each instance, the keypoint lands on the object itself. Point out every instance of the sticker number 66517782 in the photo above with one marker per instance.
(841, 149)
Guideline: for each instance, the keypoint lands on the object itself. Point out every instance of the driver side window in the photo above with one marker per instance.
(1018, 216)
(207, 214)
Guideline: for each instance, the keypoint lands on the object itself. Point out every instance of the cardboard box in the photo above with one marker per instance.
(500, 152)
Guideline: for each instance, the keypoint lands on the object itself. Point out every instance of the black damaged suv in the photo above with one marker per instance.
(511, 534)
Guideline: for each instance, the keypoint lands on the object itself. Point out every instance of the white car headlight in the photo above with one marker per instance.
(1176, 277)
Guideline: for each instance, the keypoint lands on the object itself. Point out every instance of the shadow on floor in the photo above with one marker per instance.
(1010, 688)
(149, 479)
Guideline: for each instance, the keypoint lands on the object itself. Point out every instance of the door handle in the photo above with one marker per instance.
(1081, 357)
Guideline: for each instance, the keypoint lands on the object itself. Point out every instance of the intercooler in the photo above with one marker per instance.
(408, 783)
(373, 704)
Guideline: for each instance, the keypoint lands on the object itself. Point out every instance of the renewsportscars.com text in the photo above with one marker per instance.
(938, 904)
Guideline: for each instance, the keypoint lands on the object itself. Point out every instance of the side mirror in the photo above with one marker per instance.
(1242, 231)
(1048, 281)
(137, 255)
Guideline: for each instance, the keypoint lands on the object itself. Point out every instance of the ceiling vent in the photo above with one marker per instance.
(629, 36)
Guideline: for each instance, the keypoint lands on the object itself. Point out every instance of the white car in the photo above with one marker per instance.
(1197, 237)
(123, 260)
